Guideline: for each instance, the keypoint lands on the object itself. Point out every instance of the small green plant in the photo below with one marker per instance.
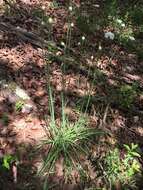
(123, 30)
(126, 35)
(124, 169)
(126, 96)
(8, 160)
(19, 105)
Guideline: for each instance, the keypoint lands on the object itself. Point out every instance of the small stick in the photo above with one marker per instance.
(14, 171)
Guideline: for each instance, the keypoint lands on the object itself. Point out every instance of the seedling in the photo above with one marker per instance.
(122, 170)
(126, 96)
(8, 160)
(19, 105)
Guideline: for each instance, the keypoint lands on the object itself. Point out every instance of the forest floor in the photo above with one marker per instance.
(23, 63)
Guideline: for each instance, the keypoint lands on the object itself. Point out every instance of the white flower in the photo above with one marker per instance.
(109, 35)
(62, 43)
(50, 20)
(100, 47)
(92, 57)
(123, 25)
(119, 21)
(72, 24)
(78, 43)
(70, 8)
(43, 23)
(43, 7)
(83, 38)
(131, 38)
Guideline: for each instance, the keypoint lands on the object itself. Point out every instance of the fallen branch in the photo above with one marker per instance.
(26, 36)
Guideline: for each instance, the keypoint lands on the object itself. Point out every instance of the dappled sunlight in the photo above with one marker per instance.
(68, 69)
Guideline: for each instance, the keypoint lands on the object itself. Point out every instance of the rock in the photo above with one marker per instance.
(27, 108)
(21, 93)
(12, 98)
(12, 91)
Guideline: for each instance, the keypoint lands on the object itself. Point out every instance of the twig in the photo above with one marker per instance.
(105, 114)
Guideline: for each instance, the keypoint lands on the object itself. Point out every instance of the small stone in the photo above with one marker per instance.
(21, 93)
(27, 108)
(109, 35)
(12, 98)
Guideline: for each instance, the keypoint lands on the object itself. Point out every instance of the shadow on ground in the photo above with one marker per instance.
(23, 64)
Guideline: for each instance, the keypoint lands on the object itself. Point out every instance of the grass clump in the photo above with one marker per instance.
(66, 140)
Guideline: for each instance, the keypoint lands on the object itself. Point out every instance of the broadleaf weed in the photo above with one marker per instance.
(122, 170)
